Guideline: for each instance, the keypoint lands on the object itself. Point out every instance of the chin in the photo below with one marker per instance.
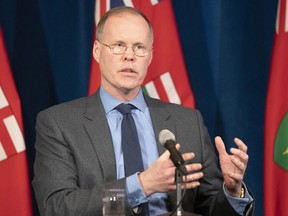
(130, 85)
(129, 88)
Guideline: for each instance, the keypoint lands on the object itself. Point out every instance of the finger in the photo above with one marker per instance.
(190, 185)
(165, 156)
(188, 156)
(187, 185)
(193, 177)
(193, 167)
(220, 146)
(240, 154)
(239, 164)
(241, 145)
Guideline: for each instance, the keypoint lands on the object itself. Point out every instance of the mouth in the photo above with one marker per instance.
(128, 70)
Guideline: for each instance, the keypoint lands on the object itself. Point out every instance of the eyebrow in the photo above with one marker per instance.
(122, 42)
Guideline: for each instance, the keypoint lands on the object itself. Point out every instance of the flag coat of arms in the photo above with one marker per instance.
(15, 195)
(167, 76)
(276, 124)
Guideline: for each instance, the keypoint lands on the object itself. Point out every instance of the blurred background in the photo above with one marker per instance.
(226, 46)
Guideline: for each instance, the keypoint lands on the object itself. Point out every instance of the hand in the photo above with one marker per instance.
(160, 176)
(233, 166)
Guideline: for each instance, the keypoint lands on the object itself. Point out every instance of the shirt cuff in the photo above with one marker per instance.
(135, 193)
(239, 204)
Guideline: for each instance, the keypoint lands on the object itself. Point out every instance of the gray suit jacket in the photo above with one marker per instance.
(75, 158)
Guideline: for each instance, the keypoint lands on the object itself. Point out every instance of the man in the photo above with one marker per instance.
(78, 144)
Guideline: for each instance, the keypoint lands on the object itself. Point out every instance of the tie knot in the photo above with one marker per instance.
(125, 108)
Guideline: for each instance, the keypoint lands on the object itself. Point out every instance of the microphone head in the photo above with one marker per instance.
(165, 135)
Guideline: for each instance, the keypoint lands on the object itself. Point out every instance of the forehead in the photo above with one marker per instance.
(126, 26)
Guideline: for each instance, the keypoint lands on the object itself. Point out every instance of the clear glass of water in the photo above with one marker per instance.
(113, 202)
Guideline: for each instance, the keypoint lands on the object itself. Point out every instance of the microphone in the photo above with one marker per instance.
(167, 139)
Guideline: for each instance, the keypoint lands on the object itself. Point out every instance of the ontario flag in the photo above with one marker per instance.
(276, 125)
(15, 196)
(167, 76)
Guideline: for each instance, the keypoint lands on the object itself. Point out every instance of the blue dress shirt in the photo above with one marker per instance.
(149, 151)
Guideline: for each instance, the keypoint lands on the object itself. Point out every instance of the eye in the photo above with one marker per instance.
(119, 45)
(140, 47)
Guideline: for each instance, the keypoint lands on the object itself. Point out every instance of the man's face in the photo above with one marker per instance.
(123, 73)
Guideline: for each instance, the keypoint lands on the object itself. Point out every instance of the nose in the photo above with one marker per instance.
(129, 54)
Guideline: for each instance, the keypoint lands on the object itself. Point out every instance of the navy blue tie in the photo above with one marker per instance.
(130, 146)
(130, 143)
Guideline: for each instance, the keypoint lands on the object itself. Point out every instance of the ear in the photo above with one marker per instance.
(96, 51)
(151, 57)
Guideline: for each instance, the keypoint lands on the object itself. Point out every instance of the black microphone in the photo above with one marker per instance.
(167, 139)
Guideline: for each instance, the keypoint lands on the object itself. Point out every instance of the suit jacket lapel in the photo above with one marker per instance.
(161, 119)
(99, 132)
(98, 129)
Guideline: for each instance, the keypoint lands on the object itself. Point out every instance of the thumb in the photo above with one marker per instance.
(220, 146)
(166, 154)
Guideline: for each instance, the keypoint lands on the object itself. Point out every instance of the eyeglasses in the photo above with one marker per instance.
(119, 48)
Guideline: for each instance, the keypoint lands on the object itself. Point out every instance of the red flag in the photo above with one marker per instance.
(15, 195)
(276, 125)
(167, 76)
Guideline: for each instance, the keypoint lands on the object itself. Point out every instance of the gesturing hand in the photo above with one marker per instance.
(233, 166)
(160, 176)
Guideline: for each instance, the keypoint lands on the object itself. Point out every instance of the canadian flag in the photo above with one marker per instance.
(15, 194)
(167, 76)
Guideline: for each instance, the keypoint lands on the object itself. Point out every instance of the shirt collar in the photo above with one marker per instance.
(110, 102)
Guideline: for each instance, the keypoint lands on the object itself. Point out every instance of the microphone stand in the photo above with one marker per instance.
(178, 177)
(179, 211)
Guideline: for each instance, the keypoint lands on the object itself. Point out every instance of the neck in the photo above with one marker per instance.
(125, 95)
